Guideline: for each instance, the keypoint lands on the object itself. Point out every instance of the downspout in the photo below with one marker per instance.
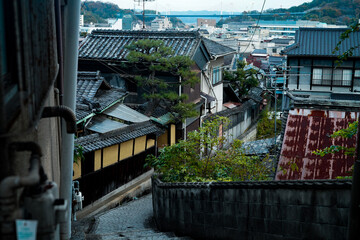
(184, 123)
(71, 45)
(203, 116)
(354, 209)
(59, 48)
(201, 121)
(211, 87)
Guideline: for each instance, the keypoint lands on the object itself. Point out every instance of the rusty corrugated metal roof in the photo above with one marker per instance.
(307, 131)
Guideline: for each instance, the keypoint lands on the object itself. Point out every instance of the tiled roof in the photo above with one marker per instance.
(217, 49)
(259, 51)
(321, 42)
(310, 184)
(258, 147)
(308, 130)
(110, 44)
(88, 83)
(255, 94)
(94, 94)
(282, 40)
(97, 141)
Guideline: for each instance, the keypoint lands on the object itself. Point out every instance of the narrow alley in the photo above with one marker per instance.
(132, 220)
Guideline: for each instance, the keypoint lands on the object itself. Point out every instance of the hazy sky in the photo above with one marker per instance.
(211, 5)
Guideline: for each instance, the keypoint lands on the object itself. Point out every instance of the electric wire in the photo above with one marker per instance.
(257, 24)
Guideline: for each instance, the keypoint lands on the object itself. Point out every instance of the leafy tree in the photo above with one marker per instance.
(242, 80)
(201, 158)
(348, 132)
(151, 58)
(345, 35)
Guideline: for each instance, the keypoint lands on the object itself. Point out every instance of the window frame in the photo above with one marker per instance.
(216, 75)
(333, 73)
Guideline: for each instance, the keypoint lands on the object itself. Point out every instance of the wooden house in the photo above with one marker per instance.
(106, 51)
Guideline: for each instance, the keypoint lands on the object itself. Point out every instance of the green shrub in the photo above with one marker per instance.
(202, 158)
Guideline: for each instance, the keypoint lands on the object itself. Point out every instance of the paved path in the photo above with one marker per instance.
(132, 220)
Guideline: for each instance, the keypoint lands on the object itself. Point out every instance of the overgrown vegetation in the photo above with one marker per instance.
(266, 125)
(78, 153)
(348, 132)
(202, 158)
(151, 58)
(242, 80)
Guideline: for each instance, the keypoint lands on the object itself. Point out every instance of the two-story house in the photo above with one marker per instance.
(106, 51)
(313, 70)
(212, 79)
(325, 99)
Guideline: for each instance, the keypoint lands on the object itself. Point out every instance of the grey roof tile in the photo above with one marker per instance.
(110, 44)
(217, 49)
(97, 141)
(94, 94)
(322, 42)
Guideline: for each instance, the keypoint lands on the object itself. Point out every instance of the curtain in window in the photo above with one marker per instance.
(347, 75)
(317, 75)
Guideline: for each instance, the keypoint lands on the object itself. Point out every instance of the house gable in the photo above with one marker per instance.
(321, 42)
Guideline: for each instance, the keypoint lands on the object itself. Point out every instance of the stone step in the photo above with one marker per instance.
(145, 234)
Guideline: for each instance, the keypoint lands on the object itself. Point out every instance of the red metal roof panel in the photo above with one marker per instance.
(307, 131)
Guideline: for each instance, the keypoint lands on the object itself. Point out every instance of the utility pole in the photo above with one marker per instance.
(143, 13)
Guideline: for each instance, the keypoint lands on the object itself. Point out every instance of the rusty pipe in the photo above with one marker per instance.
(62, 111)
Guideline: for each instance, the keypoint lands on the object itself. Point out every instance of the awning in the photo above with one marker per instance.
(125, 113)
(102, 124)
(208, 97)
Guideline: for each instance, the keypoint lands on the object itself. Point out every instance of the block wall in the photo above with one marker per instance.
(254, 210)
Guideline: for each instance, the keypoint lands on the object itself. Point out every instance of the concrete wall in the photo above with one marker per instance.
(254, 210)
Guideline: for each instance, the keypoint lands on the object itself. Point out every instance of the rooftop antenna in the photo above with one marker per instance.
(143, 2)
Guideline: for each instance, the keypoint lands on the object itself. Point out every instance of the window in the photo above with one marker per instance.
(216, 76)
(357, 78)
(328, 76)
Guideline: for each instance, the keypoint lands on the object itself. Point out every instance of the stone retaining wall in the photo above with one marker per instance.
(254, 210)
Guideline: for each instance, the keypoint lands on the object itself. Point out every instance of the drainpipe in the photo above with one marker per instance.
(354, 211)
(184, 123)
(203, 116)
(71, 45)
(59, 48)
(211, 87)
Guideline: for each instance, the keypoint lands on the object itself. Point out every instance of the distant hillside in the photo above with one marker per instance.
(328, 11)
(97, 12)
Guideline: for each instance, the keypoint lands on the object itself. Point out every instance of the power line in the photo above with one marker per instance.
(257, 24)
